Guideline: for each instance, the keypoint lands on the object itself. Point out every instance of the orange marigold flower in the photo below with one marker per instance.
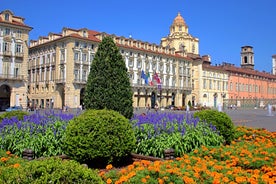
(225, 179)
(160, 181)
(16, 165)
(240, 179)
(4, 159)
(145, 162)
(109, 166)
(109, 181)
(144, 180)
(8, 152)
(101, 173)
(130, 167)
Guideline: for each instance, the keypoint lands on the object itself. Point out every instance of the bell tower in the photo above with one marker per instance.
(247, 57)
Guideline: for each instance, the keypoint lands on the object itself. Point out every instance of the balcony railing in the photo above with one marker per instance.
(163, 87)
(80, 81)
(60, 81)
(11, 77)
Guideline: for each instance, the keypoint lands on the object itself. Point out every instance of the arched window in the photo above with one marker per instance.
(245, 59)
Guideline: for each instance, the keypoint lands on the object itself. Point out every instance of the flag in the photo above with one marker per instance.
(143, 75)
(156, 78)
(159, 86)
(149, 79)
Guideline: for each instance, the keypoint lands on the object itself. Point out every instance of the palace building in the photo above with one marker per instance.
(14, 37)
(59, 65)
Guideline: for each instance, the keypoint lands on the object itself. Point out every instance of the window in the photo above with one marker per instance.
(181, 70)
(7, 17)
(168, 68)
(76, 56)
(18, 48)
(139, 64)
(180, 28)
(161, 67)
(19, 33)
(43, 59)
(54, 58)
(48, 58)
(204, 84)
(210, 84)
(130, 63)
(147, 66)
(16, 72)
(173, 69)
(7, 31)
(84, 57)
(84, 34)
(6, 47)
(91, 57)
(84, 74)
(76, 74)
(62, 55)
(154, 65)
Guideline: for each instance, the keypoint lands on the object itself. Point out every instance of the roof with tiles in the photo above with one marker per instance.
(235, 69)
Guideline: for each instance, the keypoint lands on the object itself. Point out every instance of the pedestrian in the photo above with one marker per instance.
(156, 107)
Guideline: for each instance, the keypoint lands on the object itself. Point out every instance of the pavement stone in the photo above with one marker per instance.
(255, 118)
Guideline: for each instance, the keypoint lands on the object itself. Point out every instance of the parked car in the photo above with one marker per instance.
(14, 108)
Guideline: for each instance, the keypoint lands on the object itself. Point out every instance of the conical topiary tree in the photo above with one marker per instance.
(108, 84)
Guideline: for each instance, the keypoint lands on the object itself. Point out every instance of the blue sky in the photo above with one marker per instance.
(222, 27)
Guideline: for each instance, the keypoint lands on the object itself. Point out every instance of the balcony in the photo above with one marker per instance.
(60, 81)
(19, 54)
(11, 77)
(80, 81)
(164, 87)
(7, 53)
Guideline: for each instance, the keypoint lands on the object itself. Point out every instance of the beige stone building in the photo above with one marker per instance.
(14, 37)
(210, 83)
(59, 65)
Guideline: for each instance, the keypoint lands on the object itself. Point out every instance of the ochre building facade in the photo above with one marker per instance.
(14, 37)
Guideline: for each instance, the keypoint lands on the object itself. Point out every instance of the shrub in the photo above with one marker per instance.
(108, 84)
(50, 170)
(221, 120)
(19, 114)
(99, 136)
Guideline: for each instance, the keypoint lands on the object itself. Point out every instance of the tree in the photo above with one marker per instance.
(108, 85)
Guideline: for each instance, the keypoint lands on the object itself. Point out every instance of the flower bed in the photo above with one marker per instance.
(252, 159)
(249, 159)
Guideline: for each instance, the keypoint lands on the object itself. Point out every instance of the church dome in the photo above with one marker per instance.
(179, 20)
